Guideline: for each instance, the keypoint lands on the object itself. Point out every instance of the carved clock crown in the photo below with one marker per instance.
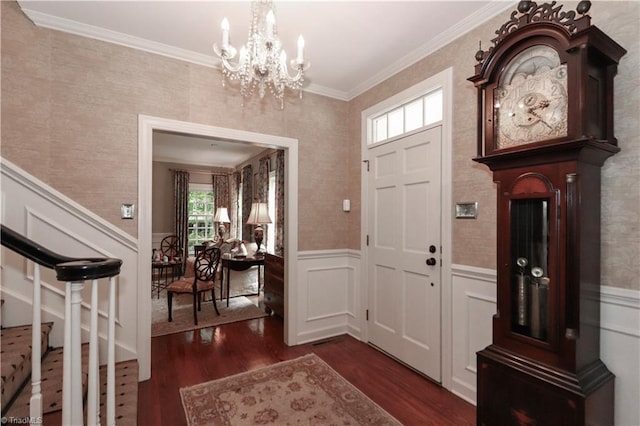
(529, 12)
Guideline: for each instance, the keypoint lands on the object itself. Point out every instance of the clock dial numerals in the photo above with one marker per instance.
(531, 102)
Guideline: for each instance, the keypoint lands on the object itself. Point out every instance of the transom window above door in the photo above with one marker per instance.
(410, 116)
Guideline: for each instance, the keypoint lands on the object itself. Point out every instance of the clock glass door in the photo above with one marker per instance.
(530, 244)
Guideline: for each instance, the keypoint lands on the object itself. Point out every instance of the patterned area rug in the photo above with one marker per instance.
(303, 391)
(240, 309)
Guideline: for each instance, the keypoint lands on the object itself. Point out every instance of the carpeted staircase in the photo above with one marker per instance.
(15, 357)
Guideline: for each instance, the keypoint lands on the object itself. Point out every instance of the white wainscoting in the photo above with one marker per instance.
(473, 300)
(44, 215)
(474, 303)
(328, 294)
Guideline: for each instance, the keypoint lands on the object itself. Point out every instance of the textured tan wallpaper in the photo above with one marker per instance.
(70, 108)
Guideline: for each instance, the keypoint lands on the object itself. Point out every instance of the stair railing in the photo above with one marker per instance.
(74, 272)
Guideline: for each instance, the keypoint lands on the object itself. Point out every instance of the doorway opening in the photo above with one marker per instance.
(146, 126)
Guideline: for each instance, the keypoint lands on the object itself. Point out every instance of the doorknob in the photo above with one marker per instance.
(431, 261)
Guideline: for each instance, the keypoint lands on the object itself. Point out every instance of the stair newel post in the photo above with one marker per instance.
(35, 405)
(111, 354)
(93, 392)
(72, 409)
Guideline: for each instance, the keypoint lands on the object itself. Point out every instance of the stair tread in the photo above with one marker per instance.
(15, 351)
(126, 377)
(126, 374)
(51, 384)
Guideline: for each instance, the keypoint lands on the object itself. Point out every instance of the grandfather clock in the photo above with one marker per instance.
(545, 128)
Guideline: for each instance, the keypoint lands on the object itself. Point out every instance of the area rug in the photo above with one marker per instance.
(303, 391)
(240, 309)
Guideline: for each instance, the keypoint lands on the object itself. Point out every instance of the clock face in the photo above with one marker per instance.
(531, 99)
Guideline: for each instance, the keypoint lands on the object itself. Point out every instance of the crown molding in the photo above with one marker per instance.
(84, 30)
(97, 33)
(464, 26)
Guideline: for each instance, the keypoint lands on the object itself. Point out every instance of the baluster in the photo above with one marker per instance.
(93, 393)
(35, 405)
(111, 355)
(72, 357)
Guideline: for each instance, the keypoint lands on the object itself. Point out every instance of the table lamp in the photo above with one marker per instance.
(222, 217)
(259, 215)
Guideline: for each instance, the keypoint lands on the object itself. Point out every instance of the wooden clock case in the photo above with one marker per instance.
(544, 365)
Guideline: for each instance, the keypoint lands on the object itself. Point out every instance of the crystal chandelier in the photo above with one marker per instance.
(262, 63)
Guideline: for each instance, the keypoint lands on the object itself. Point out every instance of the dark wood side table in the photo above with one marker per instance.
(274, 284)
(238, 264)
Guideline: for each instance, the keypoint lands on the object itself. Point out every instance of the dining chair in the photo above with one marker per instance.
(171, 248)
(204, 268)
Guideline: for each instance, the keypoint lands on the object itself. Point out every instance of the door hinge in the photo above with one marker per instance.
(367, 315)
(367, 240)
(366, 161)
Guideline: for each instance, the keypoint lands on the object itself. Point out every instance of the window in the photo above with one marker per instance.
(412, 115)
(200, 226)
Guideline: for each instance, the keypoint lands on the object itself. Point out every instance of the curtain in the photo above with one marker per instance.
(221, 191)
(263, 180)
(181, 205)
(220, 194)
(234, 205)
(279, 213)
(247, 197)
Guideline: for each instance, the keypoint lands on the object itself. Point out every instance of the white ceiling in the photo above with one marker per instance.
(201, 151)
(352, 45)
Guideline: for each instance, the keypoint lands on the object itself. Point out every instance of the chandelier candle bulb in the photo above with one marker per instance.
(300, 49)
(271, 20)
(225, 33)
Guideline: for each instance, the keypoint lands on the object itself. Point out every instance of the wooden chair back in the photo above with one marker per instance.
(206, 264)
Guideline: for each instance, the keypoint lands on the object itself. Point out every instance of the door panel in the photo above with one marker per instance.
(404, 221)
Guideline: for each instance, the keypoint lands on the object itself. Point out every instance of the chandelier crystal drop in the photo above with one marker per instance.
(261, 63)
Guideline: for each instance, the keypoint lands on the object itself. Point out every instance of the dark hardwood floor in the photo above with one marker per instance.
(188, 358)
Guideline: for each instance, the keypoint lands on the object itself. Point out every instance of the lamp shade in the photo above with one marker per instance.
(222, 215)
(259, 214)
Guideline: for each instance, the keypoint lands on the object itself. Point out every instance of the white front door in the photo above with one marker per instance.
(404, 186)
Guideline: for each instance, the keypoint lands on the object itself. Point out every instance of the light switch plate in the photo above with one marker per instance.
(467, 210)
(127, 211)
